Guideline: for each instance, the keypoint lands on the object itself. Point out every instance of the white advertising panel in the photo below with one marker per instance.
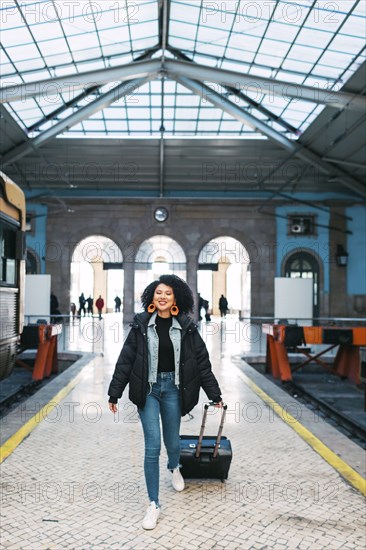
(37, 297)
(294, 300)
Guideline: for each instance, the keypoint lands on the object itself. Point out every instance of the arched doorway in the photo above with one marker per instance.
(96, 269)
(156, 256)
(305, 265)
(32, 264)
(224, 268)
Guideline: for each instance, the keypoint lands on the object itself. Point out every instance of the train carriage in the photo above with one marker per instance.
(12, 238)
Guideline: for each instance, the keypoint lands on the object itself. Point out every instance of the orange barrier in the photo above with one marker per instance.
(347, 360)
(46, 358)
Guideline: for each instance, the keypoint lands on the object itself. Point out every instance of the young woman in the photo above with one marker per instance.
(165, 362)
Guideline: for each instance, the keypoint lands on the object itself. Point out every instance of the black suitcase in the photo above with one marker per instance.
(206, 456)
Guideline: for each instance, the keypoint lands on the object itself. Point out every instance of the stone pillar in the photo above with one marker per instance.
(100, 283)
(338, 302)
(128, 291)
(219, 285)
(192, 268)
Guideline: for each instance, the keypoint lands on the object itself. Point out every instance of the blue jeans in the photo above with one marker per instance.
(163, 400)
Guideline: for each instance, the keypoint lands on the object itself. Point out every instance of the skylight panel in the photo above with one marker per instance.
(282, 32)
(354, 26)
(212, 49)
(240, 55)
(304, 53)
(183, 112)
(181, 43)
(244, 42)
(266, 60)
(207, 126)
(344, 43)
(210, 113)
(117, 48)
(82, 41)
(51, 47)
(11, 38)
(316, 38)
(40, 75)
(335, 59)
(185, 126)
(19, 53)
(85, 54)
(94, 125)
(116, 126)
(211, 35)
(46, 31)
(191, 15)
(181, 29)
(141, 30)
(232, 126)
(278, 49)
(139, 126)
(291, 13)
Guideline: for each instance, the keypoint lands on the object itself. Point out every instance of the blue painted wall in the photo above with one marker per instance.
(356, 248)
(318, 243)
(38, 241)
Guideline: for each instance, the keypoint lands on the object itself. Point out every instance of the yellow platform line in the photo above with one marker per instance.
(12, 443)
(348, 473)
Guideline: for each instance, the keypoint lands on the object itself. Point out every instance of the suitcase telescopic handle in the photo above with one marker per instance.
(219, 433)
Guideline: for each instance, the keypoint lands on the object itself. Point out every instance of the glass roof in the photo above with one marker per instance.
(310, 42)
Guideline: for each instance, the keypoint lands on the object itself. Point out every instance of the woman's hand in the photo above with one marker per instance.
(219, 405)
(113, 407)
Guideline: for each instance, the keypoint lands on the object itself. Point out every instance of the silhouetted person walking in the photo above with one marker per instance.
(117, 302)
(89, 301)
(82, 304)
(100, 305)
(223, 305)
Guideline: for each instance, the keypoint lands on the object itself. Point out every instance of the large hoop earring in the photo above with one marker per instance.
(174, 310)
(151, 308)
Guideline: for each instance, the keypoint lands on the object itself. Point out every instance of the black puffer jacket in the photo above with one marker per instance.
(194, 372)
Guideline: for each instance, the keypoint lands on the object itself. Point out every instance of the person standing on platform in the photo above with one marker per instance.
(100, 305)
(117, 303)
(89, 301)
(162, 349)
(81, 304)
(223, 305)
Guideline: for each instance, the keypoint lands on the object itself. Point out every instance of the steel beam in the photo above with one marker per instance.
(76, 81)
(267, 86)
(85, 112)
(257, 106)
(141, 69)
(294, 147)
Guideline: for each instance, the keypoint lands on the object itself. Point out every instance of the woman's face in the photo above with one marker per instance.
(163, 299)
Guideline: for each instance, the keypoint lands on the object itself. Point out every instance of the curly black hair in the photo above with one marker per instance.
(182, 293)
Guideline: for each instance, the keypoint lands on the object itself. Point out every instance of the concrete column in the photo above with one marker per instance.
(100, 283)
(219, 286)
(338, 303)
(192, 268)
(128, 291)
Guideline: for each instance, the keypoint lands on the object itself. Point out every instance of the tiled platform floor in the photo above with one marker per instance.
(77, 481)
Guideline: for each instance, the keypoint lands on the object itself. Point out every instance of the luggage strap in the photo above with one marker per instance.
(219, 434)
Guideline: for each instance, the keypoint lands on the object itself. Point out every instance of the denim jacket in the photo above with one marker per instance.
(153, 348)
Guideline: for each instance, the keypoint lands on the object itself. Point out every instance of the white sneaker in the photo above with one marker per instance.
(152, 515)
(177, 480)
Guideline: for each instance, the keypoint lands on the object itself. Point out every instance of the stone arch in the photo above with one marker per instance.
(33, 262)
(223, 269)
(318, 274)
(96, 269)
(156, 255)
